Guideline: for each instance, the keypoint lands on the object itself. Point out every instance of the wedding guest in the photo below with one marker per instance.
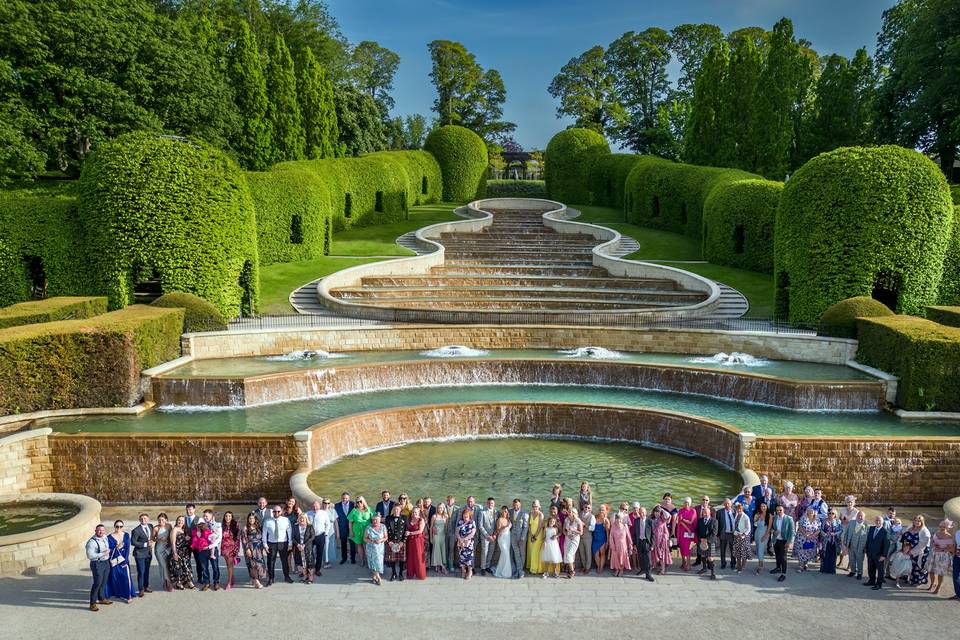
(385, 506)
(343, 509)
(438, 533)
(831, 534)
(704, 502)
(660, 554)
(724, 518)
(707, 540)
(848, 515)
(535, 539)
(585, 549)
(319, 519)
(805, 500)
(943, 548)
(374, 538)
(918, 536)
(486, 520)
(181, 576)
(586, 496)
(262, 511)
(741, 536)
(759, 491)
(599, 541)
(632, 517)
(819, 505)
(192, 518)
(120, 582)
(788, 500)
(781, 534)
(303, 548)
(550, 554)
(876, 548)
(396, 548)
(97, 549)
(200, 543)
(230, 545)
(556, 500)
(429, 510)
(453, 517)
(330, 544)
(761, 520)
(466, 532)
(406, 507)
(620, 544)
(141, 539)
(572, 534)
(161, 537)
(212, 566)
(900, 564)
(855, 541)
(746, 500)
(686, 531)
(416, 565)
(254, 550)
(519, 529)
(808, 535)
(277, 534)
(358, 519)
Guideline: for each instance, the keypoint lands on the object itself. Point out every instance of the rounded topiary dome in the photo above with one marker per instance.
(569, 159)
(861, 221)
(164, 214)
(199, 315)
(462, 156)
(840, 320)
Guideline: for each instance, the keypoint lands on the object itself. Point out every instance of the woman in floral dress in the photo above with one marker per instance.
(808, 534)
(831, 536)
(466, 532)
(941, 557)
(374, 537)
(254, 550)
(919, 538)
(181, 575)
(660, 554)
(229, 545)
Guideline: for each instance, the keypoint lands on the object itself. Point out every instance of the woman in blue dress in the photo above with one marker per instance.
(120, 583)
(598, 544)
(466, 532)
(919, 538)
(831, 534)
(374, 537)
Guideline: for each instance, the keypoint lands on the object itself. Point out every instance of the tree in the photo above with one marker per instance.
(253, 140)
(638, 62)
(739, 109)
(372, 69)
(415, 131)
(536, 163)
(284, 110)
(917, 104)
(707, 140)
(315, 94)
(585, 89)
(358, 117)
(495, 159)
(690, 44)
(483, 108)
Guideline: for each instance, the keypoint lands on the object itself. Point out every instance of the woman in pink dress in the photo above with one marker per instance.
(620, 544)
(229, 544)
(660, 553)
(686, 531)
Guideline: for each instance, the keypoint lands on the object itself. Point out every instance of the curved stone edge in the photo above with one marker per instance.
(952, 510)
(13, 421)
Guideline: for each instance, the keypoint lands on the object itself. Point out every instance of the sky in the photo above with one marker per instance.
(528, 41)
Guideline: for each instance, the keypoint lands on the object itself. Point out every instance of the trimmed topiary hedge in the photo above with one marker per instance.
(516, 189)
(955, 193)
(569, 161)
(949, 316)
(861, 221)
(94, 362)
(923, 354)
(840, 320)
(738, 219)
(950, 283)
(292, 209)
(170, 212)
(462, 156)
(199, 315)
(52, 309)
(608, 178)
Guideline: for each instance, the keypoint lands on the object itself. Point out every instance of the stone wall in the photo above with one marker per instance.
(52, 548)
(913, 470)
(25, 465)
(228, 344)
(142, 468)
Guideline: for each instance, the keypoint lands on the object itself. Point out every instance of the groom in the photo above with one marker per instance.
(520, 525)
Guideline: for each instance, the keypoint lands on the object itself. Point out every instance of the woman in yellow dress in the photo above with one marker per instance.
(535, 539)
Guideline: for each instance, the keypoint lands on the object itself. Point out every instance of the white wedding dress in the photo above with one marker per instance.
(504, 566)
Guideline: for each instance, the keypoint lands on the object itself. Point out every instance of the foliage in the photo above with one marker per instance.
(608, 176)
(293, 205)
(861, 222)
(462, 157)
(955, 193)
(253, 140)
(924, 355)
(315, 95)
(199, 315)
(840, 320)
(51, 309)
(372, 69)
(283, 108)
(570, 158)
(949, 316)
(93, 362)
(690, 44)
(516, 189)
(358, 117)
(950, 284)
(738, 219)
(585, 89)
(738, 110)
(407, 132)
(170, 211)
(706, 139)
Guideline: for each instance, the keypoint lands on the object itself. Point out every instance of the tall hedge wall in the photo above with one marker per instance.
(569, 161)
(462, 156)
(608, 178)
(172, 210)
(861, 221)
(923, 354)
(738, 219)
(39, 237)
(51, 310)
(950, 283)
(94, 362)
(292, 210)
(668, 195)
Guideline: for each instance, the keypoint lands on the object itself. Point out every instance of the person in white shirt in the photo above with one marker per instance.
(276, 531)
(98, 553)
(956, 566)
(212, 570)
(319, 518)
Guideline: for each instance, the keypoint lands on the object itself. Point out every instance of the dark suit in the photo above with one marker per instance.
(707, 532)
(644, 542)
(142, 554)
(262, 515)
(725, 535)
(384, 508)
(188, 529)
(343, 528)
(305, 558)
(757, 494)
(876, 549)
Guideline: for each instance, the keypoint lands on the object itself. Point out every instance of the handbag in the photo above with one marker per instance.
(704, 545)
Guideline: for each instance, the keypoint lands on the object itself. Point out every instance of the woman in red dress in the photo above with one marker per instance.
(416, 564)
(229, 544)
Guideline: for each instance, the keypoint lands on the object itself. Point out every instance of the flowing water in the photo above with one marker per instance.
(523, 468)
(21, 517)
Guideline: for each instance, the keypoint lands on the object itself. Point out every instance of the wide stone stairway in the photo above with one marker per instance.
(517, 264)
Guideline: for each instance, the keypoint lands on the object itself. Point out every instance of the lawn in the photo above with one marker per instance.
(277, 281)
(380, 240)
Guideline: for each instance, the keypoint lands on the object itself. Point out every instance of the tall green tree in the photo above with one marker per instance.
(415, 130)
(483, 108)
(690, 44)
(372, 69)
(917, 101)
(707, 140)
(253, 140)
(584, 87)
(284, 110)
(739, 109)
(317, 108)
(358, 117)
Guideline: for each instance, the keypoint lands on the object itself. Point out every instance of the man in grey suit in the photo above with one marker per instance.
(453, 515)
(140, 540)
(486, 518)
(520, 525)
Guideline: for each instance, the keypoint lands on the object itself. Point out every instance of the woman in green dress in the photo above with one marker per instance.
(359, 518)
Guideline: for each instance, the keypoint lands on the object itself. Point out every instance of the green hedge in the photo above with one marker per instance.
(462, 156)
(173, 210)
(950, 283)
(668, 195)
(608, 178)
(94, 362)
(516, 189)
(857, 220)
(923, 354)
(199, 315)
(569, 161)
(955, 193)
(292, 208)
(840, 320)
(51, 310)
(738, 219)
(949, 316)
(38, 229)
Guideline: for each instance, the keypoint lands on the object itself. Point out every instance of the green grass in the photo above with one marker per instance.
(277, 281)
(381, 240)
(757, 287)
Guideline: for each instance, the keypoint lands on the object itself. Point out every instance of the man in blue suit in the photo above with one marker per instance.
(758, 491)
(876, 548)
(343, 509)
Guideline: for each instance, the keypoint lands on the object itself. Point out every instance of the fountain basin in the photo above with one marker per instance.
(47, 531)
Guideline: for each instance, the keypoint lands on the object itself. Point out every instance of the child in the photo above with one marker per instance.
(900, 563)
(550, 555)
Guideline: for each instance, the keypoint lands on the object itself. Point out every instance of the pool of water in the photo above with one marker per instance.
(239, 367)
(293, 416)
(523, 468)
(22, 517)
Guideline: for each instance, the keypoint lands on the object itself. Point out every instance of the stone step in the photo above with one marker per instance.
(638, 295)
(575, 253)
(508, 260)
(526, 304)
(451, 268)
(517, 281)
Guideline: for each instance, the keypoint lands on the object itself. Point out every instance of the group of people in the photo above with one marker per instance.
(571, 535)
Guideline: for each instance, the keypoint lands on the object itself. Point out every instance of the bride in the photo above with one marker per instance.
(504, 568)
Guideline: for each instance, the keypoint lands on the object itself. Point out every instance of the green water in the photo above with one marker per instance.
(238, 367)
(523, 468)
(22, 517)
(293, 416)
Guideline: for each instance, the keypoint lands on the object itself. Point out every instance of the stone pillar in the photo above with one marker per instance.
(302, 439)
(747, 439)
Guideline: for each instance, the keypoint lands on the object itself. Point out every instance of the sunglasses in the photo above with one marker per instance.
(118, 526)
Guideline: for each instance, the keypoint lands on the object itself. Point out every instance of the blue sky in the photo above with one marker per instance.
(529, 40)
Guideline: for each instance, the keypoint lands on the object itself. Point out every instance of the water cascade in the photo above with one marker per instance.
(744, 359)
(597, 353)
(454, 351)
